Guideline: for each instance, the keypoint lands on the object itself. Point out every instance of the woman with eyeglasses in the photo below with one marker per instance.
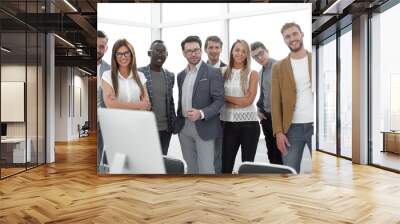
(124, 86)
(241, 128)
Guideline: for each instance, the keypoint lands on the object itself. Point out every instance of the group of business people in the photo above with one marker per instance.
(216, 112)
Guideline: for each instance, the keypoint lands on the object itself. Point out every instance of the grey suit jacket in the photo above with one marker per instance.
(103, 67)
(208, 96)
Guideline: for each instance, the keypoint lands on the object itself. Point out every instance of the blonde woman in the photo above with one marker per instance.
(241, 128)
(123, 86)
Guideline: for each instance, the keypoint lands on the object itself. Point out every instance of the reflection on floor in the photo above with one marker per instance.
(10, 171)
(347, 152)
(386, 159)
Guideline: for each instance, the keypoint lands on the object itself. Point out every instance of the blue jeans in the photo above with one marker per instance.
(298, 136)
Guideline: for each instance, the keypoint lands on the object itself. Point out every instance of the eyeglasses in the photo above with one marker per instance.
(259, 55)
(120, 54)
(191, 51)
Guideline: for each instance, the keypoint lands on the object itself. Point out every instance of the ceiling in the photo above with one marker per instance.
(330, 16)
(77, 24)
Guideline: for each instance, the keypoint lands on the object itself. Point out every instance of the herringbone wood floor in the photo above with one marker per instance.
(70, 191)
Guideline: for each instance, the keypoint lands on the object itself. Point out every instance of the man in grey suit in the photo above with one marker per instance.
(102, 66)
(201, 96)
(213, 48)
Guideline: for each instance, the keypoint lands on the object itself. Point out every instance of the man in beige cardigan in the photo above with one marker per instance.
(292, 98)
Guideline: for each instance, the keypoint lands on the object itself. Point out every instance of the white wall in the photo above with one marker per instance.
(69, 85)
(79, 117)
(14, 73)
(12, 94)
(61, 103)
(33, 126)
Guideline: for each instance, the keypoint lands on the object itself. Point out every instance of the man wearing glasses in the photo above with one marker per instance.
(160, 83)
(201, 96)
(261, 55)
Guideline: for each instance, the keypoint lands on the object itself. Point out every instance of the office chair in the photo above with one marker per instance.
(174, 165)
(263, 168)
(84, 130)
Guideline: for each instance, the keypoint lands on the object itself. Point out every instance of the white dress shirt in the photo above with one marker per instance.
(128, 89)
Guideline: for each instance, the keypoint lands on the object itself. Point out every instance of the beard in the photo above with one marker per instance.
(297, 48)
(99, 56)
(194, 61)
(214, 57)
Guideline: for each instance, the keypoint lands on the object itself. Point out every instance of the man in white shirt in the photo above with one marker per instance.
(102, 66)
(292, 98)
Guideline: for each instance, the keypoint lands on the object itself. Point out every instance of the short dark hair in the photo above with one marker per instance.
(214, 39)
(156, 42)
(256, 45)
(190, 39)
(289, 25)
(101, 34)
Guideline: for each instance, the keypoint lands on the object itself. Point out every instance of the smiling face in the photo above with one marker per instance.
(101, 47)
(260, 55)
(123, 56)
(293, 38)
(239, 53)
(213, 51)
(158, 54)
(192, 52)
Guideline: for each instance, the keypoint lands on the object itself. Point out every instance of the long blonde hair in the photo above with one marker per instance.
(244, 72)
(132, 66)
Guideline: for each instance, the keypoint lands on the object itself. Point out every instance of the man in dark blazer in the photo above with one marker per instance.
(201, 96)
(160, 83)
(213, 48)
